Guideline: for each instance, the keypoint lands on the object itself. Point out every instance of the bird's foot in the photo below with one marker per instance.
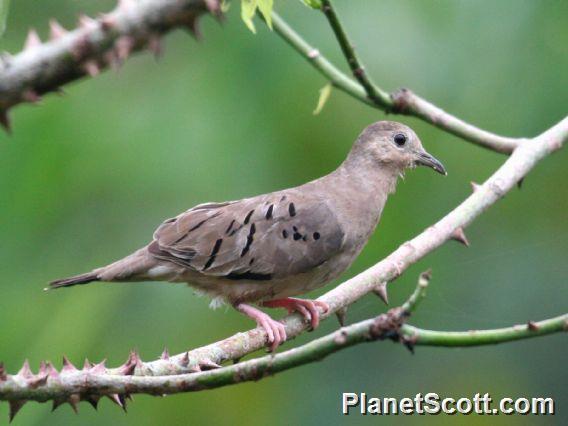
(307, 308)
(276, 333)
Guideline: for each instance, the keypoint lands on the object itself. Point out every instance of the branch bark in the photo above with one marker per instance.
(96, 44)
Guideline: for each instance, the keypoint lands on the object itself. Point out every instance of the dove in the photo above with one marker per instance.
(265, 250)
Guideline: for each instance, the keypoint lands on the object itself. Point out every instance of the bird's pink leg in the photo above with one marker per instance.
(307, 308)
(274, 329)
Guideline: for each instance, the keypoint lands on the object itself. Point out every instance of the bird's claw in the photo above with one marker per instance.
(307, 308)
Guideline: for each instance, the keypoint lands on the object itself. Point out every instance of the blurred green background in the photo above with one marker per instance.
(86, 178)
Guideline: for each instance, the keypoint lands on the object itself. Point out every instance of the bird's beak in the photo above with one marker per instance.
(425, 159)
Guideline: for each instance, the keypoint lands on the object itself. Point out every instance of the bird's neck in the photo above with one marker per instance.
(360, 191)
(366, 176)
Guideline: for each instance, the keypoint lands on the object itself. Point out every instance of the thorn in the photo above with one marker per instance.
(68, 366)
(459, 236)
(32, 40)
(37, 381)
(127, 369)
(93, 400)
(381, 291)
(184, 361)
(56, 30)
(474, 186)
(165, 354)
(99, 368)
(118, 400)
(31, 96)
(87, 22)
(73, 401)
(532, 326)
(207, 364)
(5, 121)
(91, 67)
(87, 364)
(56, 404)
(194, 28)
(51, 371)
(408, 345)
(123, 46)
(155, 46)
(520, 182)
(341, 315)
(42, 368)
(25, 371)
(15, 406)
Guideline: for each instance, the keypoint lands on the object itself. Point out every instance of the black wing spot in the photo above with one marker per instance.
(249, 240)
(285, 233)
(251, 261)
(247, 218)
(230, 226)
(292, 209)
(283, 198)
(316, 235)
(213, 254)
(305, 238)
(269, 212)
(297, 236)
(249, 276)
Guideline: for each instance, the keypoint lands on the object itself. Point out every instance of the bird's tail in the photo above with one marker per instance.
(71, 281)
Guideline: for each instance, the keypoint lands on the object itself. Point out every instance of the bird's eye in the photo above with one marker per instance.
(400, 139)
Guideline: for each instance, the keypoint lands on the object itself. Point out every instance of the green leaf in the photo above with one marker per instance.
(4, 7)
(265, 7)
(248, 9)
(314, 4)
(325, 92)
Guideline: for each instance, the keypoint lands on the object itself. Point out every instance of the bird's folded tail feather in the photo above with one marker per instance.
(71, 281)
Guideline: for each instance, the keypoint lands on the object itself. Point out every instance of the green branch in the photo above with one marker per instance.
(379, 97)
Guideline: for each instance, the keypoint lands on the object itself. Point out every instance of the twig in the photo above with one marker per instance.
(91, 383)
(378, 96)
(402, 101)
(96, 44)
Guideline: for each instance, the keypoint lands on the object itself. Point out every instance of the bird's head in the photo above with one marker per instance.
(394, 146)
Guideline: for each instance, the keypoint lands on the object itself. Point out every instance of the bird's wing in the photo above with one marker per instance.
(270, 236)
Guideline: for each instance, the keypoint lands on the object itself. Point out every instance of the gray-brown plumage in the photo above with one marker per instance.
(267, 248)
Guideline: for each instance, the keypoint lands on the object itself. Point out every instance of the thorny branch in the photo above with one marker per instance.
(96, 44)
(187, 371)
(91, 383)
